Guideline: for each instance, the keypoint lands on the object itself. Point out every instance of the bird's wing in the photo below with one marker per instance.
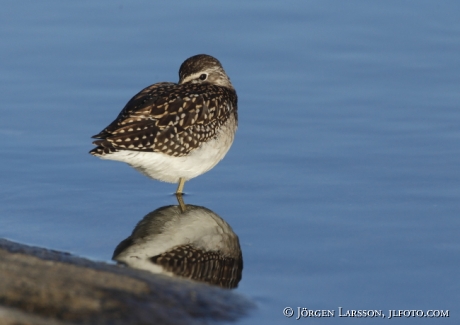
(169, 118)
(200, 265)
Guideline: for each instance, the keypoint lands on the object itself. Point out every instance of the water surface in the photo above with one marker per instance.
(342, 183)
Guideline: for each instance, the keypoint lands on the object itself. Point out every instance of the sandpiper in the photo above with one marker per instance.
(174, 132)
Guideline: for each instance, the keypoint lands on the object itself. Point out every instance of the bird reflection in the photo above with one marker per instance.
(187, 241)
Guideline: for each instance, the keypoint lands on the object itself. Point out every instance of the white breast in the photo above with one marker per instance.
(167, 168)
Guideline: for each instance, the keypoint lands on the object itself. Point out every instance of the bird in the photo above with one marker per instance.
(173, 132)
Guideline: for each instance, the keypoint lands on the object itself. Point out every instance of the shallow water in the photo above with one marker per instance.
(342, 183)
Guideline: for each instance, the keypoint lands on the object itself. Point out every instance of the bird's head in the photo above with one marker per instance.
(203, 68)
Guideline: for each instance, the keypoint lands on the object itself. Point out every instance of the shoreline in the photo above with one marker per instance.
(42, 286)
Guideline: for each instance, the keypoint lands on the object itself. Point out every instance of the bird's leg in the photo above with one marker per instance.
(180, 200)
(180, 188)
(179, 191)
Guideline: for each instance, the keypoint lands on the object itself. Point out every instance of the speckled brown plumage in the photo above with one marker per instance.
(171, 118)
(207, 266)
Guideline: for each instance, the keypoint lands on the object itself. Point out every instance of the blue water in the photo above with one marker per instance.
(343, 183)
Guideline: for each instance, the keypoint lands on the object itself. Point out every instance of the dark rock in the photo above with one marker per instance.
(40, 286)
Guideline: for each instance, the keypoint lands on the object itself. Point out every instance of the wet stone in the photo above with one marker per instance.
(40, 286)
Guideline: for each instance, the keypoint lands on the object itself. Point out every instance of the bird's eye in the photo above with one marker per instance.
(203, 76)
